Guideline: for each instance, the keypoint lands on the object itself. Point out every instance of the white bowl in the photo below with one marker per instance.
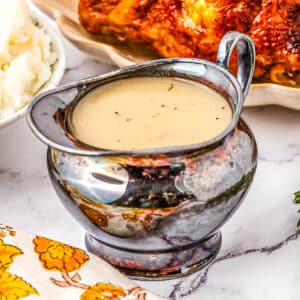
(58, 67)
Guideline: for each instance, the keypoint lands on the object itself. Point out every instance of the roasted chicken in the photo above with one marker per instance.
(193, 28)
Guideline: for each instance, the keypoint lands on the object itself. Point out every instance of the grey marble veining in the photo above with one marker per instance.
(260, 256)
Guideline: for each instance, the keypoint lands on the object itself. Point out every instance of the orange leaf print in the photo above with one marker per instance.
(13, 287)
(56, 256)
(7, 255)
(5, 230)
(103, 291)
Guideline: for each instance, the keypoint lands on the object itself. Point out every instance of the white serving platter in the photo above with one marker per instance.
(121, 54)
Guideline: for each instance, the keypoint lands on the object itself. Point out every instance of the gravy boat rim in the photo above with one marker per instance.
(121, 74)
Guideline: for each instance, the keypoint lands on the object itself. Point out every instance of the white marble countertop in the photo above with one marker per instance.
(260, 255)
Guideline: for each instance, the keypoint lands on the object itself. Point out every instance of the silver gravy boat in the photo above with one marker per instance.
(154, 213)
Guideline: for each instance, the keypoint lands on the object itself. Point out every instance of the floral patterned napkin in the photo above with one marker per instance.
(34, 267)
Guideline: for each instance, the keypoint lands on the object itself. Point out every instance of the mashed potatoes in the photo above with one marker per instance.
(25, 56)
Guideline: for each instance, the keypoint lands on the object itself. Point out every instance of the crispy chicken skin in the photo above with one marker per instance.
(193, 28)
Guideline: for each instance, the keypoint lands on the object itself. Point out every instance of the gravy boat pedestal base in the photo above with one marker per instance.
(158, 265)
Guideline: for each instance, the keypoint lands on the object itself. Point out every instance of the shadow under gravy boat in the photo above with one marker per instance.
(154, 213)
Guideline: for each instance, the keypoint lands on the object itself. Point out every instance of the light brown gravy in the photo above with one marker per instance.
(142, 113)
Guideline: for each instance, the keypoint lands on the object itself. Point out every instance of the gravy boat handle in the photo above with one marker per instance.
(246, 57)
